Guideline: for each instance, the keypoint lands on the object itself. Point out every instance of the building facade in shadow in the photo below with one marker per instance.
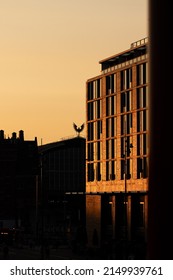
(18, 183)
(62, 184)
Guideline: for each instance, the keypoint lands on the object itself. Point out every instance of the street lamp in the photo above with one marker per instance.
(128, 146)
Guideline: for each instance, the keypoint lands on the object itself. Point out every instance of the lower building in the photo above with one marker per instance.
(62, 182)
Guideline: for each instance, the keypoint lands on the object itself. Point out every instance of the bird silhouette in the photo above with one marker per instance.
(78, 129)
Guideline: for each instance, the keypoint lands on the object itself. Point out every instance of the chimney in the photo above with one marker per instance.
(21, 135)
(14, 135)
(1, 134)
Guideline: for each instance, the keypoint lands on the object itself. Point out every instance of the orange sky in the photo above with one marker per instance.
(49, 48)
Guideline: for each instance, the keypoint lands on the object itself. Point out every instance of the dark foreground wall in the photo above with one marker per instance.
(160, 229)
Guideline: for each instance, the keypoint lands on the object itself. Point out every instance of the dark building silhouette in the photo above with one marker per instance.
(160, 230)
(62, 183)
(117, 151)
(18, 182)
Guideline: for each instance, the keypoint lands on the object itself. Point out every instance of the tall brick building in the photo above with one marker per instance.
(117, 148)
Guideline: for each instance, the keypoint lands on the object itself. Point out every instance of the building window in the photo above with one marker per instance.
(142, 121)
(90, 151)
(126, 79)
(145, 144)
(142, 97)
(98, 129)
(110, 149)
(110, 105)
(142, 144)
(141, 74)
(94, 110)
(111, 127)
(98, 109)
(98, 171)
(90, 91)
(142, 167)
(98, 150)
(126, 101)
(110, 84)
(90, 172)
(110, 170)
(90, 110)
(90, 127)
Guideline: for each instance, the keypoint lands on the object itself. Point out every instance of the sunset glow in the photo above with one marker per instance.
(49, 48)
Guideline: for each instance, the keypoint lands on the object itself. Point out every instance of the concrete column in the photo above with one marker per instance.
(93, 217)
(129, 215)
(113, 216)
(146, 217)
(160, 229)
